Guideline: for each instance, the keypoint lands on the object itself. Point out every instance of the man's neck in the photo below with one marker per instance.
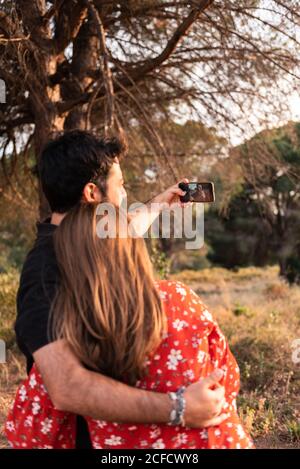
(56, 218)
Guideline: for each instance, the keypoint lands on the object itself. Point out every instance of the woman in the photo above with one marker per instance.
(121, 322)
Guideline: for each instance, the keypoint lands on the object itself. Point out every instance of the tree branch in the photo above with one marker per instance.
(105, 69)
(182, 29)
(69, 18)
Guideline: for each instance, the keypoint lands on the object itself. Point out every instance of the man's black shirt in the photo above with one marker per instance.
(38, 283)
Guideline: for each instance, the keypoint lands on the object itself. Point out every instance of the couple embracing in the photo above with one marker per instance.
(115, 358)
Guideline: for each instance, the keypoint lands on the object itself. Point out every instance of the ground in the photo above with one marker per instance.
(260, 315)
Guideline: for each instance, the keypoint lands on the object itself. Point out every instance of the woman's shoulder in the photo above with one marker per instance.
(182, 300)
(169, 289)
(172, 286)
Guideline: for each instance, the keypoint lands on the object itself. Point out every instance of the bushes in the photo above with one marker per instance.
(8, 289)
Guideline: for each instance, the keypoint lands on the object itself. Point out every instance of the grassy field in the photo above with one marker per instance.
(260, 316)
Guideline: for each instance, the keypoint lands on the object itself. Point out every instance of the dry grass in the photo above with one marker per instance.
(13, 371)
(260, 315)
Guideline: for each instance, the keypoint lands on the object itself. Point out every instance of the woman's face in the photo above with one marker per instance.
(115, 185)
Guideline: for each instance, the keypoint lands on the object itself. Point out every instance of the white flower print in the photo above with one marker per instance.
(189, 374)
(46, 426)
(201, 356)
(35, 408)
(240, 431)
(163, 294)
(181, 439)
(155, 433)
(10, 426)
(101, 424)
(180, 289)
(159, 444)
(23, 393)
(204, 434)
(97, 446)
(28, 421)
(32, 381)
(196, 341)
(173, 358)
(207, 315)
(113, 440)
(179, 325)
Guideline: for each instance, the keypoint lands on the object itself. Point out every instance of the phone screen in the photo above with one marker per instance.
(201, 192)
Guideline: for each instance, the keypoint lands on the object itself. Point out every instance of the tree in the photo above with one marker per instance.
(262, 219)
(192, 147)
(106, 65)
(242, 237)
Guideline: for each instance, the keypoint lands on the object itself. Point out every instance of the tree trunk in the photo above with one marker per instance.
(47, 123)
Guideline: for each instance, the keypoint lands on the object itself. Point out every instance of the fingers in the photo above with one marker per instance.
(213, 378)
(215, 420)
(219, 393)
(185, 180)
(216, 386)
(177, 190)
(218, 402)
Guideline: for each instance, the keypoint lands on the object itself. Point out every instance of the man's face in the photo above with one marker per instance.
(115, 185)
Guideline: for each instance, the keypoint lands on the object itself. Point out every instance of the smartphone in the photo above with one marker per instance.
(203, 192)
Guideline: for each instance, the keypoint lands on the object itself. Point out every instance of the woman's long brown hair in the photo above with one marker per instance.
(107, 306)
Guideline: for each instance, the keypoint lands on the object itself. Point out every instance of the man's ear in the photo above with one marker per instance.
(91, 193)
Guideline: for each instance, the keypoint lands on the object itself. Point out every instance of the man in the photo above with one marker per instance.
(74, 166)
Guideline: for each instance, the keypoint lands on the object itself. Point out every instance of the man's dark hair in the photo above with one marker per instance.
(70, 161)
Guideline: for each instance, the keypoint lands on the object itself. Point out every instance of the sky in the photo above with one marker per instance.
(294, 101)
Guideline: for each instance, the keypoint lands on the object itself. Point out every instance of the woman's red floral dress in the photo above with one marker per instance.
(193, 347)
